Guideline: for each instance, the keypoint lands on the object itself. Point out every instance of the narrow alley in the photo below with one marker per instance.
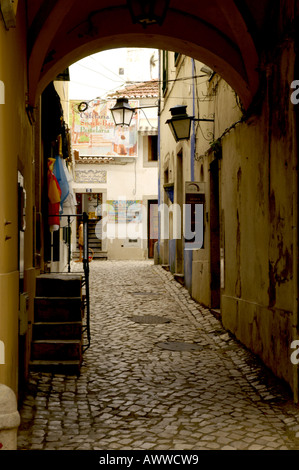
(160, 374)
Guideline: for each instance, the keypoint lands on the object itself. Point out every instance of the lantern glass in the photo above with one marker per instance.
(180, 123)
(180, 128)
(128, 115)
(122, 112)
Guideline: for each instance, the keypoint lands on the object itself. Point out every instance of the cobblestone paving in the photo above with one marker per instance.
(182, 384)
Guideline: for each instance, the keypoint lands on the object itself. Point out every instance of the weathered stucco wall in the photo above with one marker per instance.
(131, 181)
(175, 167)
(257, 200)
(218, 101)
(257, 203)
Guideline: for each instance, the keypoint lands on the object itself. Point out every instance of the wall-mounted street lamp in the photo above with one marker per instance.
(180, 122)
(122, 112)
(147, 12)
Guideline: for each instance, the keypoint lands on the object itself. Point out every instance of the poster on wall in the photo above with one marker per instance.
(93, 132)
(124, 212)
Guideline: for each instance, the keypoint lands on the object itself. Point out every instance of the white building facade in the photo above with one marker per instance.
(116, 171)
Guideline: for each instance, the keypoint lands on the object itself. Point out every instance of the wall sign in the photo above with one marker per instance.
(95, 134)
(90, 176)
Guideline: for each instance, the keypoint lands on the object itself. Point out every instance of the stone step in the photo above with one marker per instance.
(92, 233)
(92, 223)
(93, 238)
(56, 350)
(59, 285)
(59, 367)
(100, 256)
(56, 330)
(58, 309)
(95, 244)
(97, 254)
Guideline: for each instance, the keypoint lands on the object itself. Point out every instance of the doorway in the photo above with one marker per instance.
(178, 219)
(214, 234)
(91, 203)
(152, 211)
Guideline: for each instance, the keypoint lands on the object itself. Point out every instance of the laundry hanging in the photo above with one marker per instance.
(69, 204)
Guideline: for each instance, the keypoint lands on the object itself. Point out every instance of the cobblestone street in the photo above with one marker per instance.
(160, 374)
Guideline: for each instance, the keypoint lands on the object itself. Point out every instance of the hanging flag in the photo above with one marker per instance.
(54, 197)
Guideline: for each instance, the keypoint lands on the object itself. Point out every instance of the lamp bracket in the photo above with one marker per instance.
(144, 107)
(205, 120)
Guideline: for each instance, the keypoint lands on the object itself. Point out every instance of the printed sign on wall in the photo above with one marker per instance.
(94, 133)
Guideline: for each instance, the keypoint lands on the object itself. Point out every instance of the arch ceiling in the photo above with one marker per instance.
(223, 34)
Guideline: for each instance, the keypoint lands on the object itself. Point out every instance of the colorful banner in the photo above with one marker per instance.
(93, 131)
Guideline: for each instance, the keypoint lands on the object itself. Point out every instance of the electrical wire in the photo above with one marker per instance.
(128, 83)
(103, 100)
(136, 82)
(168, 81)
(147, 118)
(101, 65)
(89, 86)
(100, 73)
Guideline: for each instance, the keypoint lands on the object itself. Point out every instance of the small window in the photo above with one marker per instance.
(153, 148)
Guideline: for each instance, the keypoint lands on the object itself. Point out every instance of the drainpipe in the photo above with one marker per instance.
(188, 256)
(158, 260)
(193, 123)
(9, 419)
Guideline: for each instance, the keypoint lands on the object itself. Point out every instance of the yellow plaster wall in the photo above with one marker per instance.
(16, 152)
(9, 286)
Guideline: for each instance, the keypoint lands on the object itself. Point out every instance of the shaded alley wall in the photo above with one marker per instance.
(17, 154)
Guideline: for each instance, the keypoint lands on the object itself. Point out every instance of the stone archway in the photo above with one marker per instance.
(223, 35)
(252, 53)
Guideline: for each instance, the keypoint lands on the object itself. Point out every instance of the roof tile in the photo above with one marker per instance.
(148, 89)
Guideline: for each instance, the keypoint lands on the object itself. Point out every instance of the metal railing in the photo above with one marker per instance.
(86, 278)
(85, 263)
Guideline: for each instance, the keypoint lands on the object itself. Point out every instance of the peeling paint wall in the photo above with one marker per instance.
(257, 199)
(257, 182)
